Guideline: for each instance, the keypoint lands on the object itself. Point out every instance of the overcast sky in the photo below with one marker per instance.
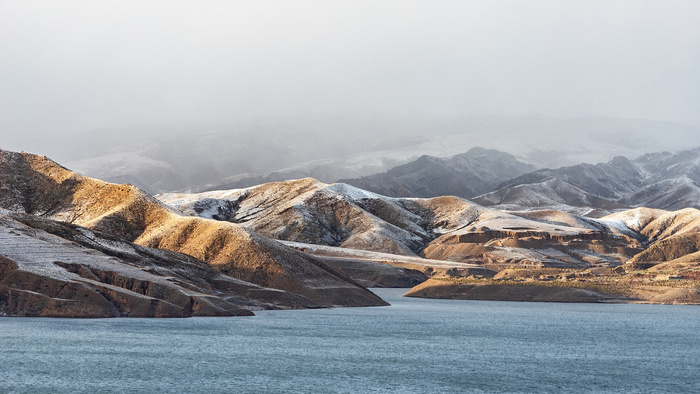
(72, 65)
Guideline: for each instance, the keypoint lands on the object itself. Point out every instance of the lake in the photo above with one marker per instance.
(413, 346)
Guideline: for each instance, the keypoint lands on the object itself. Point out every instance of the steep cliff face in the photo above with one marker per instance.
(483, 236)
(37, 185)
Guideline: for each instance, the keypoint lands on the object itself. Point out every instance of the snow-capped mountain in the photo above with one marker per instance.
(672, 181)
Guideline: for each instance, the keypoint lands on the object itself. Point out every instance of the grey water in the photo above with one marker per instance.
(413, 346)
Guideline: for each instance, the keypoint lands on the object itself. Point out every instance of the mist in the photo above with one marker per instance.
(74, 66)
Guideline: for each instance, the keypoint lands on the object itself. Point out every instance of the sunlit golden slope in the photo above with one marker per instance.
(673, 237)
(37, 185)
(442, 228)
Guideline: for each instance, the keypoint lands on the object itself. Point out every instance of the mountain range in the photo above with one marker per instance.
(465, 175)
(78, 246)
(442, 228)
(628, 248)
(664, 180)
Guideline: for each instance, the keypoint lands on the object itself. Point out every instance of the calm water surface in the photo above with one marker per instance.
(414, 346)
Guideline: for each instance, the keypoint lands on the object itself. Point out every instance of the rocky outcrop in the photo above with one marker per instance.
(484, 236)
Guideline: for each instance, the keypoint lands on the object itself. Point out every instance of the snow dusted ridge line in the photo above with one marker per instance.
(664, 180)
(312, 211)
(496, 179)
(347, 221)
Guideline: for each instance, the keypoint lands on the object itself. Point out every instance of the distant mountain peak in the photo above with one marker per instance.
(464, 175)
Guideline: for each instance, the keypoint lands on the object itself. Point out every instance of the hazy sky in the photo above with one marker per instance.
(77, 65)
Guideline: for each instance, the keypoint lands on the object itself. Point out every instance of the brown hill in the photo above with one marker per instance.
(50, 268)
(508, 292)
(310, 211)
(37, 185)
(440, 228)
(670, 236)
(669, 249)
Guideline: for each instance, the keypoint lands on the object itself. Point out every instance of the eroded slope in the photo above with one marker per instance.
(37, 185)
(441, 228)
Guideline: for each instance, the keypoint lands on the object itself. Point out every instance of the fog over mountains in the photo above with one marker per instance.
(198, 158)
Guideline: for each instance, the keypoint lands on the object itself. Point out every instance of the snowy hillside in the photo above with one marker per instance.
(443, 228)
(662, 180)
